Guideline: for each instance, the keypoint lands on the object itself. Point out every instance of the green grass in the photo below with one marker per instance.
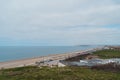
(108, 54)
(66, 73)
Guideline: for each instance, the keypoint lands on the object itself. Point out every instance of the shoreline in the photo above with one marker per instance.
(32, 61)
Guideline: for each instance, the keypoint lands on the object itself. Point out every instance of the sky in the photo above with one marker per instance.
(59, 22)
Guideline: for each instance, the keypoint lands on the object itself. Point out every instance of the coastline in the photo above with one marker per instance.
(32, 61)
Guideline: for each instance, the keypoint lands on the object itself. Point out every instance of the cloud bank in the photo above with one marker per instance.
(59, 22)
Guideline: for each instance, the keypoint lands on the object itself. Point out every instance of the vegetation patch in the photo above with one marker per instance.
(113, 67)
(106, 54)
(64, 73)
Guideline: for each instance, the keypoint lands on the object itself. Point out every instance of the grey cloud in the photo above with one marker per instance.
(59, 12)
(59, 20)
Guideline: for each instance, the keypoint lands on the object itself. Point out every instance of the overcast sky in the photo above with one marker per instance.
(59, 22)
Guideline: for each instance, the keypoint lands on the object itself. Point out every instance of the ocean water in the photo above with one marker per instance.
(8, 53)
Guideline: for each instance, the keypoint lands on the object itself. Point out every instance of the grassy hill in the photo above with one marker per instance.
(66, 73)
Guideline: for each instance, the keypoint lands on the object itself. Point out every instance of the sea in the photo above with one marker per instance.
(8, 53)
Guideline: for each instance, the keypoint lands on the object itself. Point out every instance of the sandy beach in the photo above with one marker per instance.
(31, 61)
(19, 63)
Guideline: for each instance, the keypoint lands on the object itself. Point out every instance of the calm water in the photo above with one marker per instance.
(14, 53)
